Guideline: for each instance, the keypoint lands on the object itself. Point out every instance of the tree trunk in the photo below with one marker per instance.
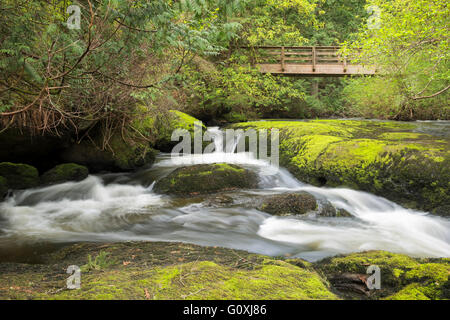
(315, 88)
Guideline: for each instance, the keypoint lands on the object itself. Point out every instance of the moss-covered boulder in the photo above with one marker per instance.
(3, 187)
(154, 271)
(206, 178)
(170, 121)
(402, 277)
(289, 203)
(390, 159)
(120, 154)
(19, 175)
(65, 172)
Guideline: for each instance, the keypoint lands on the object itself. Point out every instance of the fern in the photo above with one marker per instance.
(100, 262)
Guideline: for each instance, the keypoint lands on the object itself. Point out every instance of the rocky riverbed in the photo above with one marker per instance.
(228, 230)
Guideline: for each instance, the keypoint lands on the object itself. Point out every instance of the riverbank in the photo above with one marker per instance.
(159, 270)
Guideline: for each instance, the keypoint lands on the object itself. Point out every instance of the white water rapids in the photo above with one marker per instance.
(122, 207)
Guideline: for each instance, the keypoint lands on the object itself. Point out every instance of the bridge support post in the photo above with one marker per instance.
(313, 58)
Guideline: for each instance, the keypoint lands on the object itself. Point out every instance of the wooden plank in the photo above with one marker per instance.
(287, 53)
(290, 47)
(319, 54)
(306, 54)
(327, 59)
(320, 69)
(298, 58)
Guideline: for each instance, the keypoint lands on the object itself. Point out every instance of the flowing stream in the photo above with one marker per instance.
(123, 207)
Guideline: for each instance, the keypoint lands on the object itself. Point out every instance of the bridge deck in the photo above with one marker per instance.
(307, 61)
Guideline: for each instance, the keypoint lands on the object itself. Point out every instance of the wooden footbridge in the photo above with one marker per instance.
(307, 61)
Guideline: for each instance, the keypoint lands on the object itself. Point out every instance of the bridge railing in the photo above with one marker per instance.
(284, 55)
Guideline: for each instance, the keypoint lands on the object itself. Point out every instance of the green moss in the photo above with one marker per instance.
(171, 121)
(278, 280)
(433, 279)
(311, 148)
(402, 136)
(380, 157)
(183, 120)
(389, 263)
(128, 156)
(410, 292)
(19, 175)
(206, 178)
(65, 172)
(165, 271)
(355, 152)
(203, 280)
(227, 167)
(155, 270)
(299, 128)
(401, 276)
(436, 271)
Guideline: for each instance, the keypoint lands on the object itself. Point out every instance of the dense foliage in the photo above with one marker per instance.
(410, 48)
(189, 55)
(236, 91)
(55, 78)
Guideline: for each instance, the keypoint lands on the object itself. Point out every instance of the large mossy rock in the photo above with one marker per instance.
(167, 123)
(167, 271)
(402, 277)
(19, 175)
(390, 159)
(206, 178)
(65, 172)
(289, 203)
(121, 156)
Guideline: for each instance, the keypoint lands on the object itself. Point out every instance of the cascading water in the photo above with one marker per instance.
(120, 207)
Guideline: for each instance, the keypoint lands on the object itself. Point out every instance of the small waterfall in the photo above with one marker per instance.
(217, 137)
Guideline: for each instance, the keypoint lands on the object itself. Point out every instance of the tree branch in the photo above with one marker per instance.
(132, 28)
(433, 95)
